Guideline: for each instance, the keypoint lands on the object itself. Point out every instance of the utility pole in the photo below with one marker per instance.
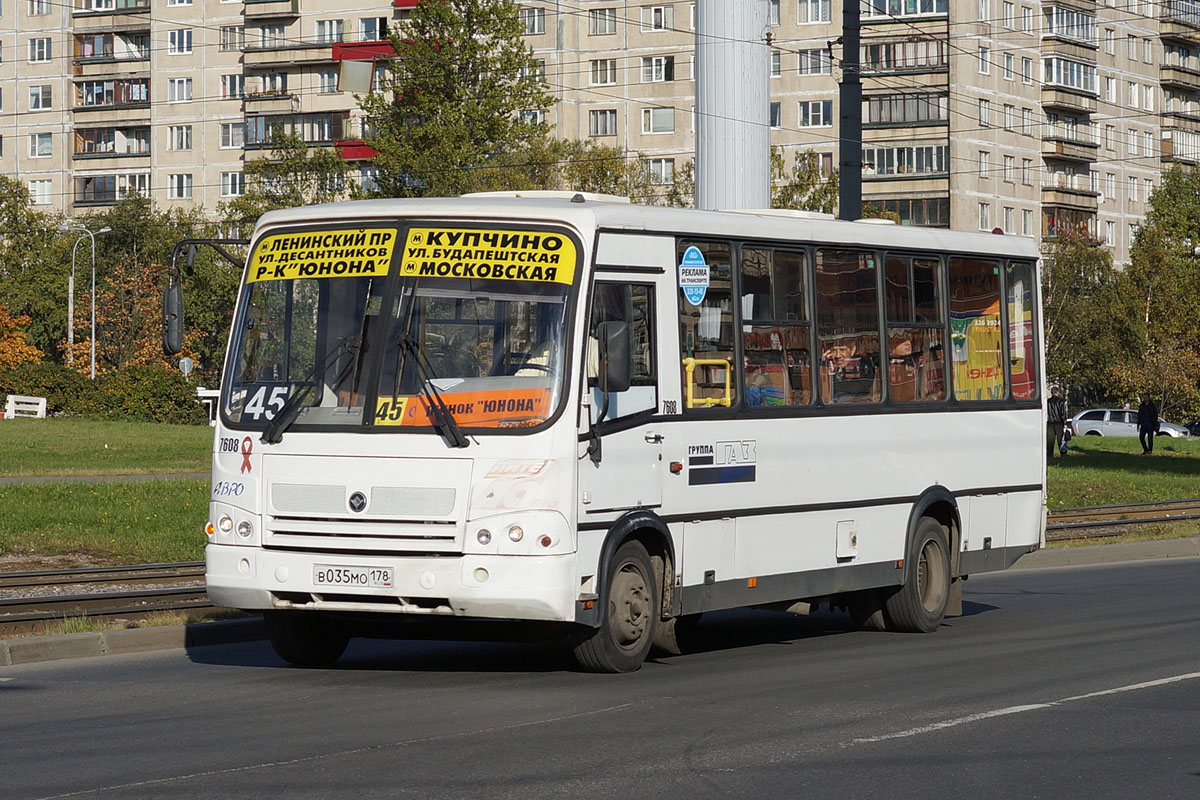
(733, 139)
(850, 130)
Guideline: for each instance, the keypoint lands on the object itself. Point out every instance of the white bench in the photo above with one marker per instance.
(19, 405)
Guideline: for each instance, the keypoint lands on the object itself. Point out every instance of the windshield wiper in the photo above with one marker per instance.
(439, 413)
(283, 419)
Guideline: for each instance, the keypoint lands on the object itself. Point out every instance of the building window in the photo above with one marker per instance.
(1110, 185)
(179, 187)
(815, 62)
(911, 8)
(816, 114)
(1027, 70)
(1008, 15)
(985, 159)
(1072, 74)
(368, 178)
(773, 13)
(1133, 190)
(41, 145)
(179, 42)
(329, 31)
(1010, 220)
(658, 120)
(179, 137)
(1026, 19)
(775, 115)
(233, 184)
(776, 63)
(40, 192)
(662, 171)
(233, 134)
(1110, 233)
(233, 86)
(1110, 137)
(40, 50)
(1010, 113)
(1132, 141)
(372, 29)
(814, 11)
(1026, 222)
(984, 61)
(658, 69)
(233, 38)
(179, 90)
(1069, 23)
(1027, 121)
(658, 18)
(604, 72)
(602, 21)
(985, 113)
(327, 81)
(919, 159)
(179, 2)
(1009, 74)
(39, 7)
(985, 216)
(1131, 47)
(906, 108)
(531, 116)
(1147, 143)
(40, 97)
(1010, 169)
(602, 122)
(1027, 171)
(1110, 46)
(534, 20)
(1110, 89)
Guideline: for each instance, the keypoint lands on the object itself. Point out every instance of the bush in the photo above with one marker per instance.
(143, 394)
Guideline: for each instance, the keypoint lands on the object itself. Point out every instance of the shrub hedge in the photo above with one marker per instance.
(141, 394)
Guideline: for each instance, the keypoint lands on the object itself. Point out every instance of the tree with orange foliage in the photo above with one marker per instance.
(14, 341)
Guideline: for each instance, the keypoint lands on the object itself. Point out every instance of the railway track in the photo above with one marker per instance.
(31, 600)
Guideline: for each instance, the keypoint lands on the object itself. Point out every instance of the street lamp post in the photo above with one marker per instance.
(71, 301)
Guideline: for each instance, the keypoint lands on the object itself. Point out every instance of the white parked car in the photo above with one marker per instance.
(1117, 422)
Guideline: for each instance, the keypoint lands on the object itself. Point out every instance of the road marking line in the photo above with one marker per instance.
(1002, 712)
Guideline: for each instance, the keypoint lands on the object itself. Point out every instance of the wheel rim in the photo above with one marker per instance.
(629, 606)
(931, 570)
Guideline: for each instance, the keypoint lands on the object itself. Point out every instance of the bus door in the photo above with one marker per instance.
(621, 451)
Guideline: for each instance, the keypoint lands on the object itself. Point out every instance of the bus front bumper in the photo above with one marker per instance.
(483, 586)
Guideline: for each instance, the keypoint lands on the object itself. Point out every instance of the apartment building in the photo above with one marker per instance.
(1031, 117)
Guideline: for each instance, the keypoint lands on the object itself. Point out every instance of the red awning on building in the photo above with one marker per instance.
(354, 150)
(362, 51)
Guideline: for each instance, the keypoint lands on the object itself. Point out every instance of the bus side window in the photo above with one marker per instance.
(976, 345)
(848, 326)
(775, 342)
(706, 333)
(915, 333)
(634, 304)
(1022, 356)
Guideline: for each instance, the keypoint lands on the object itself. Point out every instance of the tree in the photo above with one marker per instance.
(1086, 316)
(292, 175)
(14, 342)
(452, 100)
(804, 186)
(34, 263)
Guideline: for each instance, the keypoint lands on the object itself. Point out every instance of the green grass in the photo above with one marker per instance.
(115, 523)
(92, 447)
(1110, 470)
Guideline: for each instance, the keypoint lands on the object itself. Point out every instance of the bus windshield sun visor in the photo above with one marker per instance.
(273, 433)
(439, 412)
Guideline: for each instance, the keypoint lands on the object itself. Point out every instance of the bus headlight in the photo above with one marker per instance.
(532, 533)
(225, 523)
(516, 533)
(484, 536)
(244, 528)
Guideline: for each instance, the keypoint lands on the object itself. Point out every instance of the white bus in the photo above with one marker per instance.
(617, 417)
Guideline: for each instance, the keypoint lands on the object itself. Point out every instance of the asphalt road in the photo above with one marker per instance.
(1057, 683)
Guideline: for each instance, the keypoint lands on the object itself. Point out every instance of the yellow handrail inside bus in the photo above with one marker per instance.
(689, 366)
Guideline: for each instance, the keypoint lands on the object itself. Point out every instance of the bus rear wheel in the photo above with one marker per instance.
(920, 604)
(304, 638)
(628, 617)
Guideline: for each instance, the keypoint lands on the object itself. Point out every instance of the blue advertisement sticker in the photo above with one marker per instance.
(693, 275)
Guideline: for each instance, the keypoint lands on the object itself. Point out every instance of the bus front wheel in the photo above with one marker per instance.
(304, 638)
(920, 604)
(630, 612)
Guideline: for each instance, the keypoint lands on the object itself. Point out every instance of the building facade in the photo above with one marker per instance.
(1030, 117)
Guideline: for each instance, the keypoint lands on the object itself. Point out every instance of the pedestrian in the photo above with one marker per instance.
(1147, 423)
(1056, 419)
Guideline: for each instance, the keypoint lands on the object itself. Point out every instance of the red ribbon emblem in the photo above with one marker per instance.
(247, 446)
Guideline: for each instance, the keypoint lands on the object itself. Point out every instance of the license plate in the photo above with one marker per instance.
(370, 577)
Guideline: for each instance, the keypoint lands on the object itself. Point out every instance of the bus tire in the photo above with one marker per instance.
(920, 604)
(630, 612)
(305, 639)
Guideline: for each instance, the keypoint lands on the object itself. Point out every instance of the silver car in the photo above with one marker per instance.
(1117, 422)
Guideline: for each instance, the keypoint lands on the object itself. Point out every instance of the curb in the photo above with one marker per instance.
(32, 649)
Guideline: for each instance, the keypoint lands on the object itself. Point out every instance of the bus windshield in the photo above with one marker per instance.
(378, 345)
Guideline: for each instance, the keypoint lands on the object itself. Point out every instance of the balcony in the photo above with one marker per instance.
(270, 101)
(270, 9)
(125, 17)
(1069, 47)
(287, 53)
(1064, 98)
(1180, 21)
(1066, 197)
(1173, 77)
(1060, 148)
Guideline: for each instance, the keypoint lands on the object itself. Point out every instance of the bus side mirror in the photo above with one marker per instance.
(615, 356)
(172, 319)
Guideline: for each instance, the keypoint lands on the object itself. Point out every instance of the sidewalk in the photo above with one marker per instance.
(28, 650)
